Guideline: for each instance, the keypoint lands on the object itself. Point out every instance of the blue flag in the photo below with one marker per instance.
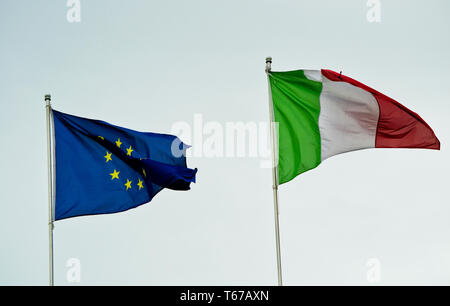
(102, 168)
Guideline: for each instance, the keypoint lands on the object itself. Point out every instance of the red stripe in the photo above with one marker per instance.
(398, 127)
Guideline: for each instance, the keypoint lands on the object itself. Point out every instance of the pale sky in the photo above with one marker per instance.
(145, 65)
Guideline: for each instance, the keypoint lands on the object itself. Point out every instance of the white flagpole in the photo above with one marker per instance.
(274, 144)
(50, 144)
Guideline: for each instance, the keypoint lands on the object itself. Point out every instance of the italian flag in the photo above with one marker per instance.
(321, 113)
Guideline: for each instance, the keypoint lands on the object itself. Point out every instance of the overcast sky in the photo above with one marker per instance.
(146, 65)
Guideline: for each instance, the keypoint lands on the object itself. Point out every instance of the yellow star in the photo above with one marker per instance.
(108, 156)
(129, 150)
(143, 171)
(118, 143)
(128, 184)
(114, 175)
(140, 184)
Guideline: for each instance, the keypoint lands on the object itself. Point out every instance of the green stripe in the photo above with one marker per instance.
(296, 108)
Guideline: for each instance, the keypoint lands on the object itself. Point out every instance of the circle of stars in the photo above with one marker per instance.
(115, 174)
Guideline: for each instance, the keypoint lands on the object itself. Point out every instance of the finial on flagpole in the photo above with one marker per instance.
(268, 64)
(48, 99)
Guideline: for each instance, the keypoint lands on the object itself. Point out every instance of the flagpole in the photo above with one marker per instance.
(48, 109)
(274, 142)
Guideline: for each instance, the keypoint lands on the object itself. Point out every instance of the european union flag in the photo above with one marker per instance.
(102, 168)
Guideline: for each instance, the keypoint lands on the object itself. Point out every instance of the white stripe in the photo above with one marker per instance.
(348, 118)
(313, 75)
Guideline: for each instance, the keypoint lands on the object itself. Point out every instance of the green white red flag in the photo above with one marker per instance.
(321, 113)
